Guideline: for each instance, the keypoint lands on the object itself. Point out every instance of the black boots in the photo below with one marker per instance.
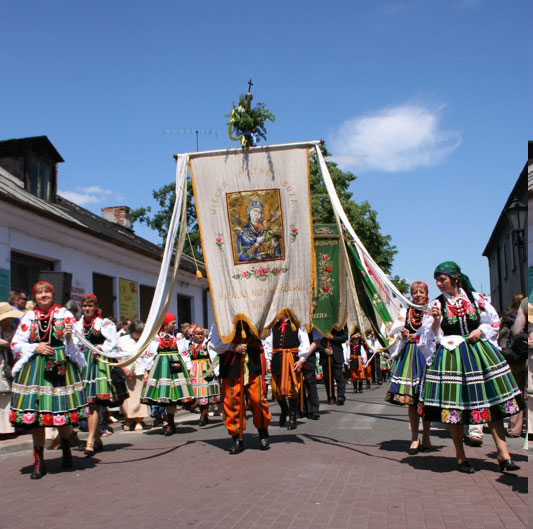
(39, 469)
(238, 446)
(204, 417)
(67, 454)
(284, 412)
(170, 428)
(264, 441)
(291, 425)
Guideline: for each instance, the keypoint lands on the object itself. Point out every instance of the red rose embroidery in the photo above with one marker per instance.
(23, 327)
(485, 414)
(59, 334)
(74, 417)
(67, 320)
(47, 419)
(13, 416)
(328, 269)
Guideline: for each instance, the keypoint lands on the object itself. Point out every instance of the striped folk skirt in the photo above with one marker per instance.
(98, 383)
(205, 391)
(40, 398)
(406, 376)
(470, 385)
(168, 381)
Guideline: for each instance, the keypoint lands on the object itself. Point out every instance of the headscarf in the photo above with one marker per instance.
(452, 269)
(169, 317)
(42, 284)
(94, 299)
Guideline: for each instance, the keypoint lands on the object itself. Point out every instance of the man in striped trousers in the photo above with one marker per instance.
(242, 370)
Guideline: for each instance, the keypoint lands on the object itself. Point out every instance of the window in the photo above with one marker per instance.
(103, 289)
(184, 309)
(39, 174)
(503, 250)
(25, 270)
(146, 294)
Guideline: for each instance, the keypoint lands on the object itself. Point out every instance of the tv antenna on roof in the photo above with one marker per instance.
(212, 132)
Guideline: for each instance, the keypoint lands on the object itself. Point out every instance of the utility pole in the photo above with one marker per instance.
(212, 132)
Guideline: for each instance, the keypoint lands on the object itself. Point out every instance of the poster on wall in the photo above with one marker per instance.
(129, 300)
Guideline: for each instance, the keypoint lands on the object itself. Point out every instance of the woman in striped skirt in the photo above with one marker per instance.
(47, 388)
(202, 355)
(409, 364)
(100, 389)
(468, 381)
(166, 380)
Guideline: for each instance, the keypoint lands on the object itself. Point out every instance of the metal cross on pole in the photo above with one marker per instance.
(250, 84)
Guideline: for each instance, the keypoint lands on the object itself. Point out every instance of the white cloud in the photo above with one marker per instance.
(395, 139)
(90, 195)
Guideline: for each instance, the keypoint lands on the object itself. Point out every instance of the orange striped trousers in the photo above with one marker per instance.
(255, 397)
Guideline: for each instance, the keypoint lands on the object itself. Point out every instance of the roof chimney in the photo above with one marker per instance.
(118, 215)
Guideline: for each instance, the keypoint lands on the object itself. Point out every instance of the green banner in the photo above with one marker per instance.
(327, 289)
(368, 296)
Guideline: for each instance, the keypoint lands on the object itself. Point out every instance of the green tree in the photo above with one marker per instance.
(159, 221)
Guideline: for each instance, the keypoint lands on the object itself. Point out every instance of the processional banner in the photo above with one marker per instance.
(254, 214)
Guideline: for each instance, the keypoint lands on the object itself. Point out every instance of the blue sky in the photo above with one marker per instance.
(424, 100)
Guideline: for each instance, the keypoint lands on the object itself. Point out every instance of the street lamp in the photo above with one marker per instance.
(517, 215)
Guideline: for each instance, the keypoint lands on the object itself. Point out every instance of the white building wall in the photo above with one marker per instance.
(82, 254)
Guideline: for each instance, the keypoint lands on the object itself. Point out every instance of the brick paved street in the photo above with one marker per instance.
(348, 470)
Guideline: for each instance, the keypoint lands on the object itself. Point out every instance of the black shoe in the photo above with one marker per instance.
(340, 401)
(238, 446)
(264, 441)
(314, 416)
(39, 468)
(414, 451)
(508, 465)
(283, 417)
(292, 422)
(170, 429)
(465, 467)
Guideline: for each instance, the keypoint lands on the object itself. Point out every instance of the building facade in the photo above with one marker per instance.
(44, 235)
(507, 252)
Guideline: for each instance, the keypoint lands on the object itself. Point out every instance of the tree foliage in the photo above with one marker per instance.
(361, 215)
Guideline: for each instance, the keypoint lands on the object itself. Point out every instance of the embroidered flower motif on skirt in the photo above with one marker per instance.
(475, 417)
(29, 418)
(511, 407)
(59, 420)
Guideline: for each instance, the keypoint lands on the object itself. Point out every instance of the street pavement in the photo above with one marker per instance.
(350, 469)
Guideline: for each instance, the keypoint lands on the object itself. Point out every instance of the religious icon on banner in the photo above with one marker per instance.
(256, 226)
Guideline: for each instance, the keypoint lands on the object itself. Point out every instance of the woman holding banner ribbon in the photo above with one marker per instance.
(409, 365)
(47, 388)
(468, 380)
(97, 376)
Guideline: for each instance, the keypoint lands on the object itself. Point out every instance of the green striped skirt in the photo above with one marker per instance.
(470, 385)
(168, 381)
(47, 391)
(406, 376)
(98, 383)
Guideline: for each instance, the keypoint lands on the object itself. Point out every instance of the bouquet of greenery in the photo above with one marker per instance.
(248, 123)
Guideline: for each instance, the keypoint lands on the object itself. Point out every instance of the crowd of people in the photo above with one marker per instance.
(454, 362)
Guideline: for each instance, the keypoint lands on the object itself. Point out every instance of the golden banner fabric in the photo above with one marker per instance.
(254, 214)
